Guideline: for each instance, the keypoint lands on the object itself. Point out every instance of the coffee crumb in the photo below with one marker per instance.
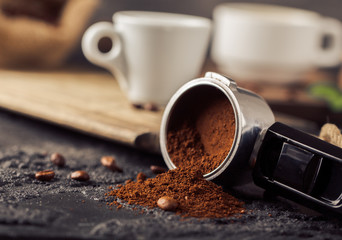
(167, 203)
(57, 159)
(137, 105)
(157, 169)
(141, 177)
(128, 181)
(110, 163)
(45, 175)
(151, 107)
(80, 175)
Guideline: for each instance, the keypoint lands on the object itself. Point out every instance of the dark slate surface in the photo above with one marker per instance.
(67, 209)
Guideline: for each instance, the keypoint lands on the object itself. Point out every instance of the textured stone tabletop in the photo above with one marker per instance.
(67, 209)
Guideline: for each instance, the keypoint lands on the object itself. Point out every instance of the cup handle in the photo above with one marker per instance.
(114, 59)
(331, 54)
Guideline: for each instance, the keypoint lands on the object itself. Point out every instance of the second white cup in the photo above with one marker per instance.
(152, 54)
(274, 43)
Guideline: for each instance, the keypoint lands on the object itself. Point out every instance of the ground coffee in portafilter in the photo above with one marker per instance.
(204, 134)
(197, 142)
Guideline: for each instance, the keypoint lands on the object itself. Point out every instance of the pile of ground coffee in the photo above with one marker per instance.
(197, 143)
(196, 196)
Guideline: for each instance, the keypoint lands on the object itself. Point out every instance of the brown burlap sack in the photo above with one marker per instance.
(34, 34)
(332, 134)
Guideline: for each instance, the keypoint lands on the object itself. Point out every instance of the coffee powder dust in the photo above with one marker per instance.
(196, 196)
(198, 140)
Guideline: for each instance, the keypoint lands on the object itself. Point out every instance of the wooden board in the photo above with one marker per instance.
(91, 101)
(87, 101)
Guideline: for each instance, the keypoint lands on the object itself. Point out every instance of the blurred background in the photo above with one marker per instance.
(294, 99)
(106, 8)
(46, 34)
(69, 18)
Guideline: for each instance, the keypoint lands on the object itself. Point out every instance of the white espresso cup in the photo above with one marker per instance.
(272, 43)
(152, 54)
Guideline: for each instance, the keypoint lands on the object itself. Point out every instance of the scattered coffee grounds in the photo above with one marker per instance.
(80, 175)
(198, 140)
(196, 197)
(203, 140)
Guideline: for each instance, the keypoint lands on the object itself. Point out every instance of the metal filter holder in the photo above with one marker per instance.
(280, 159)
(252, 114)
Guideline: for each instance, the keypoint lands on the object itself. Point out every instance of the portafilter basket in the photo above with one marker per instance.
(278, 158)
(252, 114)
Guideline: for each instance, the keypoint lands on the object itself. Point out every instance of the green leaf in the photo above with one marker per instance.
(329, 93)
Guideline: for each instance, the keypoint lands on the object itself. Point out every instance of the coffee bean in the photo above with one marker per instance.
(80, 175)
(110, 163)
(167, 203)
(141, 177)
(57, 159)
(45, 175)
(151, 107)
(137, 105)
(157, 169)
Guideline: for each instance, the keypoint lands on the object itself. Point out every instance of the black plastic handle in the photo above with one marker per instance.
(300, 167)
